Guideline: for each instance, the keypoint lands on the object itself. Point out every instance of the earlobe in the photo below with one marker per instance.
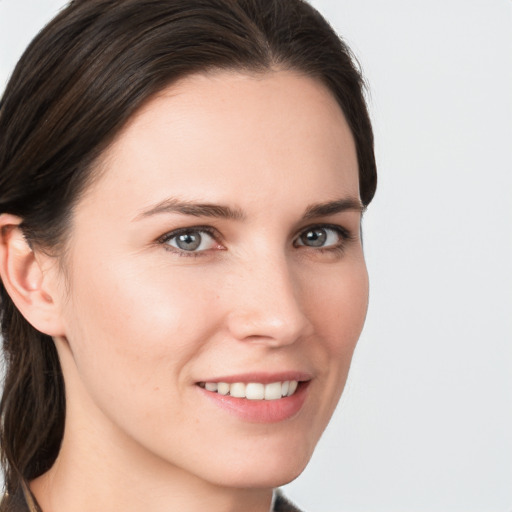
(24, 278)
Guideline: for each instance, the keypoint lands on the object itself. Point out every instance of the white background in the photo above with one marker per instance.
(426, 420)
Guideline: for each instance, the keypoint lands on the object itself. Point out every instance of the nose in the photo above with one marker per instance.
(268, 304)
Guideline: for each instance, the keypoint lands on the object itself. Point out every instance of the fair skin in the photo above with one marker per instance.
(270, 285)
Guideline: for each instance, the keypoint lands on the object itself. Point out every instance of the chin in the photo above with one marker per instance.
(279, 477)
(263, 478)
(266, 469)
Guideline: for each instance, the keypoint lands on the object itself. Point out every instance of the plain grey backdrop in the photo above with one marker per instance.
(425, 423)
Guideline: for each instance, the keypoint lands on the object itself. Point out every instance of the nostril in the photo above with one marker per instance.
(267, 326)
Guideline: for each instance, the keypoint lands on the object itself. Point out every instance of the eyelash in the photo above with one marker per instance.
(344, 234)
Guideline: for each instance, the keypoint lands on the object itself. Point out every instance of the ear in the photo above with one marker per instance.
(29, 278)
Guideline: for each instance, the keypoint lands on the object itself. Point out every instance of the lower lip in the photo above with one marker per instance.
(260, 411)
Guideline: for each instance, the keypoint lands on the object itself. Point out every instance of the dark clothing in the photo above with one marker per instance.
(19, 502)
(281, 504)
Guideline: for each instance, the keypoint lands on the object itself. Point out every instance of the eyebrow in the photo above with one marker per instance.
(333, 207)
(173, 205)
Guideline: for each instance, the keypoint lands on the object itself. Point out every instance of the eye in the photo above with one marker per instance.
(190, 240)
(324, 237)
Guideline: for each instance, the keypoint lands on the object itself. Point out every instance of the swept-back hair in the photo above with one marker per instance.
(80, 80)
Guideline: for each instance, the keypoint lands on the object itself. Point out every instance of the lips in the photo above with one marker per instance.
(260, 398)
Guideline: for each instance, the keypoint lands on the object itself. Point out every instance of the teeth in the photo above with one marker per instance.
(253, 390)
(222, 388)
(273, 391)
(237, 390)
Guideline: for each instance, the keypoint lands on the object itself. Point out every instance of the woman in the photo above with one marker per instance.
(183, 282)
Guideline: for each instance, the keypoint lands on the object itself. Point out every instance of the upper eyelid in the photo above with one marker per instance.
(325, 225)
(209, 230)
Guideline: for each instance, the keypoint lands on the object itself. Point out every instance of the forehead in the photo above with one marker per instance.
(229, 136)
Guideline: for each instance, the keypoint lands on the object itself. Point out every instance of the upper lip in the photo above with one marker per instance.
(262, 377)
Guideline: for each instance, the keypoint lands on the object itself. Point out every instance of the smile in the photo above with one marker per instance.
(253, 390)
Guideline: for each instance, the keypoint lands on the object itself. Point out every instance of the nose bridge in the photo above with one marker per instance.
(268, 302)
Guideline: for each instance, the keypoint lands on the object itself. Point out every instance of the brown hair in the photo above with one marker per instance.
(77, 84)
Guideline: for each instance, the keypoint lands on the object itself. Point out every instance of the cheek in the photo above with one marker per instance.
(337, 303)
(338, 306)
(134, 336)
(132, 298)
(136, 329)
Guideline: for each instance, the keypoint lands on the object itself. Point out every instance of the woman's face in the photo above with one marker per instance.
(218, 249)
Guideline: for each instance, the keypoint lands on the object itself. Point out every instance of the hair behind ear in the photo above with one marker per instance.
(31, 431)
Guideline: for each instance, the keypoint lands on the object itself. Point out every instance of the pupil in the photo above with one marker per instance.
(315, 238)
(188, 241)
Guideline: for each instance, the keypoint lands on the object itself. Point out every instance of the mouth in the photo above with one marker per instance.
(259, 397)
(253, 390)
